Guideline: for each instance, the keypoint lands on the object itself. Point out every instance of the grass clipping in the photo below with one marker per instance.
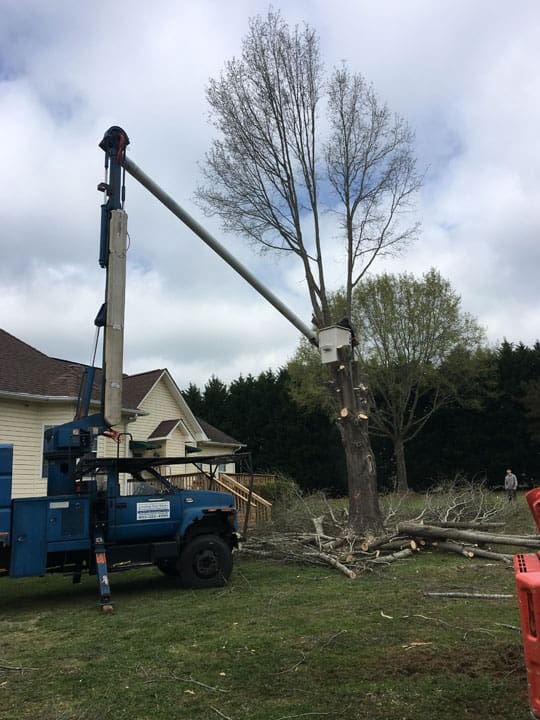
(456, 517)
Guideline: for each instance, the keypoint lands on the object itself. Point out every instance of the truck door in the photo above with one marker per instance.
(146, 515)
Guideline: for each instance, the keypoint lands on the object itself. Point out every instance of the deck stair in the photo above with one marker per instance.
(260, 509)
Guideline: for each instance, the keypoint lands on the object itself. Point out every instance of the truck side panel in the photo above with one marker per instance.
(6, 476)
(45, 525)
(29, 539)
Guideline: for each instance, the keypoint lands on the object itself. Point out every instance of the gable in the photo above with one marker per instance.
(164, 401)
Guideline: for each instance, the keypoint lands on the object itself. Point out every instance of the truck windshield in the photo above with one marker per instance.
(147, 483)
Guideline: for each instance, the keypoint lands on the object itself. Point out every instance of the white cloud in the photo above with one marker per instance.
(463, 74)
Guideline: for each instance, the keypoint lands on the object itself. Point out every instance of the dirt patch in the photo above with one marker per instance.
(497, 660)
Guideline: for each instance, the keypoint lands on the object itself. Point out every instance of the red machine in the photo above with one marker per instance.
(527, 570)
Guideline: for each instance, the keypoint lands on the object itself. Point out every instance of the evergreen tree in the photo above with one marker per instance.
(194, 399)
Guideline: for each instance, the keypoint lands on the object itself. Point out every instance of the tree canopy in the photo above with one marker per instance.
(413, 337)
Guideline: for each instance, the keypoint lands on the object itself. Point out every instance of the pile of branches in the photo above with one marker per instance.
(464, 519)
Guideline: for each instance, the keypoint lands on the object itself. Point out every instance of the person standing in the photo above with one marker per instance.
(510, 484)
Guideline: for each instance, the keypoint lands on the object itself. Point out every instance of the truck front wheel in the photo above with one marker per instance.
(205, 562)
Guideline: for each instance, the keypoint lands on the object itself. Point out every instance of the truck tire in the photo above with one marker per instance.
(205, 562)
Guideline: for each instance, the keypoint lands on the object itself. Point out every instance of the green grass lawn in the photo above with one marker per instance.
(278, 642)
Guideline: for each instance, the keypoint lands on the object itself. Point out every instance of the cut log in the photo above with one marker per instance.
(467, 536)
(489, 554)
(379, 542)
(449, 546)
(335, 563)
(399, 555)
(394, 545)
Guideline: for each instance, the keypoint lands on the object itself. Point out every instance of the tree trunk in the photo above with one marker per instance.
(401, 465)
(352, 399)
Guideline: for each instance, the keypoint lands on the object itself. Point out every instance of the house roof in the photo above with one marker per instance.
(164, 429)
(25, 370)
(137, 387)
(215, 435)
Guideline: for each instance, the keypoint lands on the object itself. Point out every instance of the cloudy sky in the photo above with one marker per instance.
(464, 73)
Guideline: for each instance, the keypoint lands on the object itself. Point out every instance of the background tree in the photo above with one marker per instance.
(216, 397)
(273, 171)
(282, 437)
(414, 341)
(194, 399)
(495, 428)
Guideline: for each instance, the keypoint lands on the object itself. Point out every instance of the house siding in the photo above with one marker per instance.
(215, 449)
(160, 404)
(23, 424)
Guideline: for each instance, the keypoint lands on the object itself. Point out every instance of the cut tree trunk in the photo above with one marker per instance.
(352, 401)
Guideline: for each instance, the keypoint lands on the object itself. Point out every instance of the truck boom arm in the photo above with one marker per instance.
(211, 241)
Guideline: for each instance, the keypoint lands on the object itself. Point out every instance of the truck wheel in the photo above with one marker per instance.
(205, 562)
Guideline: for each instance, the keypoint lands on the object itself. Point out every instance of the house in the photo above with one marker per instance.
(38, 391)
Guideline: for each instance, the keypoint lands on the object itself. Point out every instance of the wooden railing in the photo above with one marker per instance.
(194, 481)
(259, 479)
(260, 509)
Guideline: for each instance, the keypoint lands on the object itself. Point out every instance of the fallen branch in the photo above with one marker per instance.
(227, 717)
(334, 544)
(352, 555)
(379, 542)
(15, 668)
(335, 563)
(453, 547)
(399, 555)
(468, 536)
(470, 595)
(464, 525)
(192, 681)
(489, 554)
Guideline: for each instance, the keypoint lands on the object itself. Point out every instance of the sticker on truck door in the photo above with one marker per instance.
(153, 510)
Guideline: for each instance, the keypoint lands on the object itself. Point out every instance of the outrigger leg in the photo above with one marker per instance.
(103, 576)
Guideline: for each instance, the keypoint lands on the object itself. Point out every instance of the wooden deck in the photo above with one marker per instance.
(248, 502)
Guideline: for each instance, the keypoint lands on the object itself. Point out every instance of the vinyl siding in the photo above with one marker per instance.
(23, 424)
(160, 404)
(215, 449)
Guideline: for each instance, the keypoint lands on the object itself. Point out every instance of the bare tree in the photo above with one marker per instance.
(273, 171)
